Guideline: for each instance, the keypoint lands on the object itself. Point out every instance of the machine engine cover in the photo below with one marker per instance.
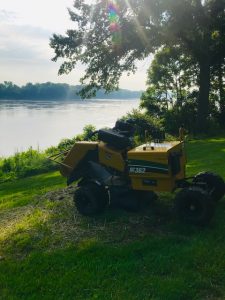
(114, 138)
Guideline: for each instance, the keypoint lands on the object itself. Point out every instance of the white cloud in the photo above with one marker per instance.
(49, 14)
(7, 16)
(23, 42)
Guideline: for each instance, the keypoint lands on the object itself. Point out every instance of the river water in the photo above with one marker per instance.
(41, 124)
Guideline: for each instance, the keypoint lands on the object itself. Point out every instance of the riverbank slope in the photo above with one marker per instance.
(49, 251)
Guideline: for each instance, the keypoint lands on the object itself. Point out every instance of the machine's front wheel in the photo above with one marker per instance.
(193, 205)
(90, 199)
(213, 182)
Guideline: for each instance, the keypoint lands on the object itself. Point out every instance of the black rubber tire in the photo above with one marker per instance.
(193, 205)
(90, 199)
(214, 182)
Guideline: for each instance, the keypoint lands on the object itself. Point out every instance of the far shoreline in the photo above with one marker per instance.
(70, 99)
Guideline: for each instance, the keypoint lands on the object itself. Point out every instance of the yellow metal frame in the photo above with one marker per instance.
(149, 167)
(75, 155)
(111, 157)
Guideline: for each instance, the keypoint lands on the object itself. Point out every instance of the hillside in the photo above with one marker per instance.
(49, 251)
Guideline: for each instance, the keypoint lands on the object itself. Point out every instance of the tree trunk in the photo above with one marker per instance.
(203, 99)
(222, 96)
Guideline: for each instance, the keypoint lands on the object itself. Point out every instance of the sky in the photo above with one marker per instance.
(25, 54)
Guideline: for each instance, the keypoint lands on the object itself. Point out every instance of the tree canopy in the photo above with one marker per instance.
(110, 36)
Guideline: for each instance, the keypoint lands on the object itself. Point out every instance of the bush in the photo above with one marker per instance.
(33, 162)
(144, 122)
(23, 164)
(66, 144)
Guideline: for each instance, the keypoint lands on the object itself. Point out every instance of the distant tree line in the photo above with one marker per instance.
(55, 91)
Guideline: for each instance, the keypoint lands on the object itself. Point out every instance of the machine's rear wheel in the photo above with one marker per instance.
(90, 199)
(193, 205)
(213, 182)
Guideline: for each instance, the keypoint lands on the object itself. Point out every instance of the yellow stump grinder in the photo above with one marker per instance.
(111, 170)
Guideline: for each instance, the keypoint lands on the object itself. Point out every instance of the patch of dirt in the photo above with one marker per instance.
(113, 226)
(59, 224)
(11, 217)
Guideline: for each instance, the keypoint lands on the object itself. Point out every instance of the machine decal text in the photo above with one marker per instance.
(137, 170)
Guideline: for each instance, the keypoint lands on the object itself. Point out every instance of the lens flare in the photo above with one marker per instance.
(114, 24)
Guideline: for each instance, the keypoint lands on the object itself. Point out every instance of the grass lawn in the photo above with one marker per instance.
(49, 251)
